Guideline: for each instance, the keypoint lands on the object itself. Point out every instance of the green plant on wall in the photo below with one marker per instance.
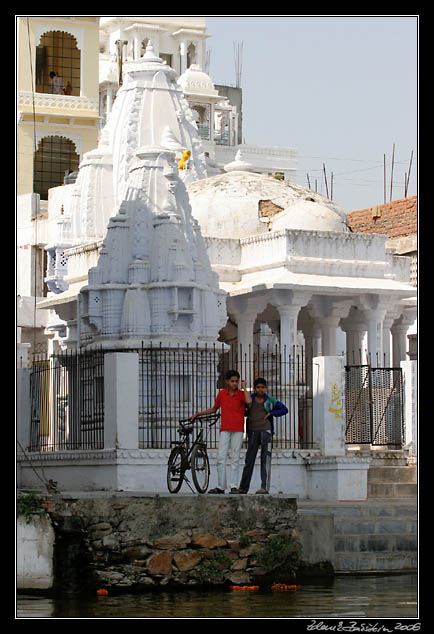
(279, 551)
(210, 570)
(29, 504)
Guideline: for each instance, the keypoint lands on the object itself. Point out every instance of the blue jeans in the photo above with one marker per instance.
(256, 439)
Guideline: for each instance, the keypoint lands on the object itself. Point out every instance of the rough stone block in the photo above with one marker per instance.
(160, 563)
(187, 560)
(206, 540)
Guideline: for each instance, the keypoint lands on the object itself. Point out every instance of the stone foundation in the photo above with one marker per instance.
(183, 541)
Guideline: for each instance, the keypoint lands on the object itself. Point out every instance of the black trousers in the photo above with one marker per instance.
(256, 439)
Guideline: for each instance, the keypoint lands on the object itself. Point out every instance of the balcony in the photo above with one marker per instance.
(47, 103)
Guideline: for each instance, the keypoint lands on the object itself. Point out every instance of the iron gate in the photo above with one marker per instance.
(374, 406)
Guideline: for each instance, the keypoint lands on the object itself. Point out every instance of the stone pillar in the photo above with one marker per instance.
(199, 54)
(387, 356)
(23, 415)
(288, 329)
(329, 311)
(399, 339)
(409, 370)
(355, 329)
(22, 351)
(121, 400)
(288, 304)
(245, 325)
(183, 55)
(312, 339)
(375, 336)
(328, 330)
(375, 309)
(329, 405)
(137, 46)
(245, 309)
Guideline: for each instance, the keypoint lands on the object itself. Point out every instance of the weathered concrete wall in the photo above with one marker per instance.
(35, 548)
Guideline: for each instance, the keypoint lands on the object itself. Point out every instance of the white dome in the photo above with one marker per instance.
(239, 204)
(308, 215)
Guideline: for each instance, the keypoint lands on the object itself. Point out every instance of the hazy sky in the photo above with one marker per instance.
(341, 90)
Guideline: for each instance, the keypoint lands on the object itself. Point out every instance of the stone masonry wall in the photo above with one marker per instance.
(180, 541)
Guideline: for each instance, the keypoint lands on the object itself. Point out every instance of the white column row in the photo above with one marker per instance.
(376, 331)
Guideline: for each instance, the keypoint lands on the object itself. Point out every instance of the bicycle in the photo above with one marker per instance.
(184, 457)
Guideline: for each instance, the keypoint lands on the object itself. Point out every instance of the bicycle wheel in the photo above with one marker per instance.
(200, 468)
(175, 469)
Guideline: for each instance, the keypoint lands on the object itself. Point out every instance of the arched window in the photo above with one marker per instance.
(144, 44)
(58, 64)
(191, 54)
(54, 157)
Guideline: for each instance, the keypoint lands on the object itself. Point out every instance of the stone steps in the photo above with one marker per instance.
(374, 536)
(392, 481)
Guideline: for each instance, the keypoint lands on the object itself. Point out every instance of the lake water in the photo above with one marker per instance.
(376, 597)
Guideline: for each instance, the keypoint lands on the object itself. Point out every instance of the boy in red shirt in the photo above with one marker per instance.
(232, 402)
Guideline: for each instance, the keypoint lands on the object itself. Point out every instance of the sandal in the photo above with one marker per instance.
(216, 490)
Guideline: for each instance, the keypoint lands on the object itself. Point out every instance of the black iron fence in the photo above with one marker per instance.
(176, 383)
(67, 402)
(374, 405)
(67, 394)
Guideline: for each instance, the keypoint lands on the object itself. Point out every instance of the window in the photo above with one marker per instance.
(58, 64)
(191, 54)
(55, 156)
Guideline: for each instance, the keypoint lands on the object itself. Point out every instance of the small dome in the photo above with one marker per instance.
(308, 215)
(194, 81)
(238, 204)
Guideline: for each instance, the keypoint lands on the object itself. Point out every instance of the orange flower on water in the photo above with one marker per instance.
(102, 592)
(244, 588)
(283, 587)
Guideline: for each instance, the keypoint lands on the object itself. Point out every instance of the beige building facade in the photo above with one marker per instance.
(55, 113)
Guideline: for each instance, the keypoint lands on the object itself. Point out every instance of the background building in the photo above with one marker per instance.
(57, 122)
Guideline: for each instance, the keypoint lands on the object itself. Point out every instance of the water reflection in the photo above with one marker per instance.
(346, 597)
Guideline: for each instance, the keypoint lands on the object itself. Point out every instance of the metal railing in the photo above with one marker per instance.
(67, 394)
(176, 383)
(67, 402)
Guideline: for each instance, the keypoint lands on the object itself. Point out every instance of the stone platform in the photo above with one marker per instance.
(144, 540)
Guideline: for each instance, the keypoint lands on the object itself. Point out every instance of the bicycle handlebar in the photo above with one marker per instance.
(205, 417)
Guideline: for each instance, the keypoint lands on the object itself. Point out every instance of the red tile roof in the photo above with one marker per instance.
(395, 219)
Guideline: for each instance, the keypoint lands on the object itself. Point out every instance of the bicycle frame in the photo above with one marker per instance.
(199, 440)
(185, 456)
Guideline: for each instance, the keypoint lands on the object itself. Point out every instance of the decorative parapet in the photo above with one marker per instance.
(42, 101)
(325, 253)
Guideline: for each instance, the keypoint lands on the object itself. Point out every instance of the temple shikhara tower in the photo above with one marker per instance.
(153, 280)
